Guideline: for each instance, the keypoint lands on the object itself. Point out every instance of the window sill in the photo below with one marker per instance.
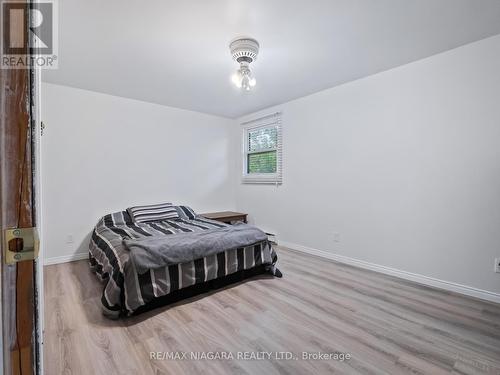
(267, 181)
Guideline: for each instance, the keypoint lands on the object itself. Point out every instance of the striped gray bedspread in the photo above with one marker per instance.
(126, 290)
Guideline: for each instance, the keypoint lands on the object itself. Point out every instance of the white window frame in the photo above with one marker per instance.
(263, 178)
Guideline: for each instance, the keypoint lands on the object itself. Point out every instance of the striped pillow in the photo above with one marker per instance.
(154, 212)
(186, 212)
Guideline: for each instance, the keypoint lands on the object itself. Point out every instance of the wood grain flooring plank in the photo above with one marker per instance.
(387, 325)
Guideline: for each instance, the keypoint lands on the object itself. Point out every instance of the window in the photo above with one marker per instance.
(262, 150)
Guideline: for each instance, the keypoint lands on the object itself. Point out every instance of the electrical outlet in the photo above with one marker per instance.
(336, 237)
(69, 238)
(497, 265)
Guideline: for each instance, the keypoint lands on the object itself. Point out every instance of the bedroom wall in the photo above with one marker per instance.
(103, 153)
(403, 165)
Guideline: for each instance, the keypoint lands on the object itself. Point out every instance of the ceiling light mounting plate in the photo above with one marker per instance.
(244, 49)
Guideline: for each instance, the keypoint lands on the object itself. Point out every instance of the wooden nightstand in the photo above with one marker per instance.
(226, 216)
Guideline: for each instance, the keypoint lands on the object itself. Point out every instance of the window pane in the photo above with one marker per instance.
(263, 162)
(262, 139)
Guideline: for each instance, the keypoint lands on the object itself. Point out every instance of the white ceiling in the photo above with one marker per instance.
(176, 52)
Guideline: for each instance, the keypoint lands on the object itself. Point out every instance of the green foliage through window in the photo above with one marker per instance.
(262, 162)
(262, 139)
(261, 151)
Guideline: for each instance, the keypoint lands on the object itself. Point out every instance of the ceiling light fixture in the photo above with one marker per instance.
(244, 51)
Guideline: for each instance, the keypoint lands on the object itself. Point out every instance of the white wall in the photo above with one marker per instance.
(404, 165)
(103, 153)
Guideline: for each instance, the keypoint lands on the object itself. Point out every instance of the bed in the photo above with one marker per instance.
(129, 257)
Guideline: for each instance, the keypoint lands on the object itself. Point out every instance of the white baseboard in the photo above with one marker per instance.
(420, 279)
(65, 258)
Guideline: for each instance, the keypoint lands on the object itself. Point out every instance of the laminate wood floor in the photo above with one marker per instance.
(386, 325)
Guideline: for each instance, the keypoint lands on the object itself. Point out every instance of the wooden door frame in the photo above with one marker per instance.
(17, 205)
(37, 177)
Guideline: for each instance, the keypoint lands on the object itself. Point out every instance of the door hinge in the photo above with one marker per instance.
(21, 244)
(42, 127)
